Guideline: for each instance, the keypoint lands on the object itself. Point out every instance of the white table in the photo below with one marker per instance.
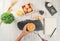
(9, 32)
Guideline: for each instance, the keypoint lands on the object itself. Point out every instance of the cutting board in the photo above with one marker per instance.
(50, 25)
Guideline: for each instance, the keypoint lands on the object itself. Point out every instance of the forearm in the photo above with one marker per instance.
(20, 37)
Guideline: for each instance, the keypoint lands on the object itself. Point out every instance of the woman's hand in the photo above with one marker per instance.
(24, 32)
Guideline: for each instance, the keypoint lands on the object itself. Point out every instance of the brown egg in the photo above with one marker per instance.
(31, 27)
(26, 6)
(29, 10)
(25, 10)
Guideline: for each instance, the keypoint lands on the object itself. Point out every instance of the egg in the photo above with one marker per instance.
(25, 10)
(31, 27)
(29, 10)
(26, 6)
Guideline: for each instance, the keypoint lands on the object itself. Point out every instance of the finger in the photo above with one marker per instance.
(25, 27)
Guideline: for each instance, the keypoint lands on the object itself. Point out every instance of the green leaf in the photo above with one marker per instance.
(7, 17)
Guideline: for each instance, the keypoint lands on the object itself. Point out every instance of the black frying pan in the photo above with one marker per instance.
(37, 23)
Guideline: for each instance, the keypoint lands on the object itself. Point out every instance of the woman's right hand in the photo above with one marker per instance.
(24, 32)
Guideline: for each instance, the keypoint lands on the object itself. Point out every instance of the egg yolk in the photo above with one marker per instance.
(31, 27)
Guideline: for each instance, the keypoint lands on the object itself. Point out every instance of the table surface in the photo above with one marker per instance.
(9, 32)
